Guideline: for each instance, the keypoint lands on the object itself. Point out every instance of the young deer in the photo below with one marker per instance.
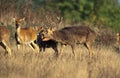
(4, 38)
(26, 35)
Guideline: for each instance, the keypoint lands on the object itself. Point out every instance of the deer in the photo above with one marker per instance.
(72, 35)
(26, 36)
(4, 39)
(47, 44)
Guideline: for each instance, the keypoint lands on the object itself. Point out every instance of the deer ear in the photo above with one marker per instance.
(49, 30)
(38, 28)
(22, 19)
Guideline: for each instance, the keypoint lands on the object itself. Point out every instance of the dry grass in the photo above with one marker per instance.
(27, 64)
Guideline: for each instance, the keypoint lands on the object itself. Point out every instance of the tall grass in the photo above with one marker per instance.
(27, 64)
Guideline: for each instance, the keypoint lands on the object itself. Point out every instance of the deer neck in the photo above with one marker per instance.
(17, 26)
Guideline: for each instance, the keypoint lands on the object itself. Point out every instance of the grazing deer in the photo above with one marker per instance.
(25, 35)
(118, 40)
(72, 35)
(4, 38)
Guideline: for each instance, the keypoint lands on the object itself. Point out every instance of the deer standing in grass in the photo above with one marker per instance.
(4, 38)
(72, 35)
(26, 35)
(118, 40)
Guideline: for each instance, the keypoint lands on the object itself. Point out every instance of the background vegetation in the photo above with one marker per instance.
(105, 13)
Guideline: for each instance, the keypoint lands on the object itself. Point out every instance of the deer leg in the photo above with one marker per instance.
(31, 46)
(44, 48)
(119, 48)
(7, 46)
(55, 49)
(62, 47)
(89, 47)
(18, 46)
(18, 43)
(73, 48)
(35, 46)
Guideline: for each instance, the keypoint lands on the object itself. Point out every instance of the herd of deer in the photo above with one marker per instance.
(50, 37)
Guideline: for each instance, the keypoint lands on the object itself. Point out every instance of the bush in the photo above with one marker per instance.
(106, 37)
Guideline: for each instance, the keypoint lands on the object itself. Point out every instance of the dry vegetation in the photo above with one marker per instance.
(27, 64)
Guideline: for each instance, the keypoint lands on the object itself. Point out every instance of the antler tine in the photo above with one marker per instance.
(50, 21)
(59, 19)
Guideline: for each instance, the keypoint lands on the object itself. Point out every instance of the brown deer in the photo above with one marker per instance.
(72, 35)
(4, 38)
(26, 35)
(118, 40)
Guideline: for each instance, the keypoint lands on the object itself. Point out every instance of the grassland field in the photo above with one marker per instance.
(25, 63)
